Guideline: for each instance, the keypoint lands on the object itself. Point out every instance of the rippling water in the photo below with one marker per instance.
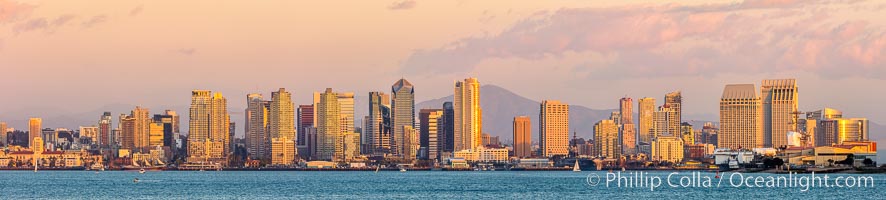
(381, 185)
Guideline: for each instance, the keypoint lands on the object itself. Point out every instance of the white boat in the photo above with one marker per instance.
(141, 171)
(402, 169)
(377, 168)
(622, 169)
(575, 168)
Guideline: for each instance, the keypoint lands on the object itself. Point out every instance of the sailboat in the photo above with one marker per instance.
(377, 168)
(575, 168)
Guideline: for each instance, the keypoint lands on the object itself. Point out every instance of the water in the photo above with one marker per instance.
(381, 185)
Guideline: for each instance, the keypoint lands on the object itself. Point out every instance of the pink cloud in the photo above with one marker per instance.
(12, 10)
(681, 40)
(402, 5)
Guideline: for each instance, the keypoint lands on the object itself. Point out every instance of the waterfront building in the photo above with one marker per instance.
(155, 135)
(4, 139)
(554, 128)
(170, 122)
(378, 127)
(780, 108)
(740, 118)
(667, 148)
(350, 146)
(305, 121)
(105, 135)
(35, 128)
(257, 135)
(447, 128)
(468, 115)
(127, 133)
(522, 137)
(402, 114)
(208, 130)
(281, 115)
(282, 151)
(483, 155)
(606, 143)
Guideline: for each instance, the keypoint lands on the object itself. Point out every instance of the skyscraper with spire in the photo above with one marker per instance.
(402, 116)
(468, 115)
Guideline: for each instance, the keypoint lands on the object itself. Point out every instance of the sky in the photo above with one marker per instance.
(74, 56)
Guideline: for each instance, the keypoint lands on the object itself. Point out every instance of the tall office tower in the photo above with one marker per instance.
(553, 128)
(468, 115)
(647, 111)
(674, 100)
(740, 118)
(142, 128)
(667, 148)
(232, 131)
(305, 123)
(346, 102)
(128, 133)
(209, 131)
(661, 121)
(155, 135)
(522, 137)
(628, 129)
(283, 151)
(328, 126)
(4, 141)
(447, 128)
(176, 122)
(606, 142)
(831, 128)
(257, 138)
(104, 131)
(780, 106)
(379, 143)
(429, 128)
(402, 111)
(687, 134)
(168, 121)
(35, 128)
(281, 116)
(281, 120)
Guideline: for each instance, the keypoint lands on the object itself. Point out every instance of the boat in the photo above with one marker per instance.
(141, 171)
(575, 168)
(377, 168)
(622, 169)
(135, 180)
(402, 169)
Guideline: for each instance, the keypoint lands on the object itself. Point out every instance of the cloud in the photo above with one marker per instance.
(750, 37)
(11, 11)
(98, 19)
(137, 10)
(186, 51)
(402, 5)
(30, 25)
(62, 20)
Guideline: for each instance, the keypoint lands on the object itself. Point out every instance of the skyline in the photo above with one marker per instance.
(284, 39)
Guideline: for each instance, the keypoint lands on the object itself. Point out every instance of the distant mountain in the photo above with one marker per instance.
(500, 106)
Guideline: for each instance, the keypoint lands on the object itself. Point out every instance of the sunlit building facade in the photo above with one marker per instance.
(553, 132)
(740, 118)
(780, 110)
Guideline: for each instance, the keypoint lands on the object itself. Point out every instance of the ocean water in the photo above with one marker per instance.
(401, 185)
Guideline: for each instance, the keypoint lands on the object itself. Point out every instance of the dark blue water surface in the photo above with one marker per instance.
(388, 185)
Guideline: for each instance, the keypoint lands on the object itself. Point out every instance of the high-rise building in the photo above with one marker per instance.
(142, 129)
(740, 118)
(522, 137)
(674, 101)
(667, 148)
(350, 145)
(106, 138)
(402, 113)
(328, 127)
(661, 121)
(687, 134)
(606, 142)
(169, 121)
(86, 132)
(646, 113)
(305, 121)
(468, 115)
(410, 143)
(209, 131)
(127, 133)
(35, 128)
(257, 135)
(429, 129)
(281, 122)
(553, 128)
(346, 102)
(377, 131)
(628, 129)
(828, 127)
(780, 106)
(447, 128)
(283, 151)
(4, 140)
(155, 134)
